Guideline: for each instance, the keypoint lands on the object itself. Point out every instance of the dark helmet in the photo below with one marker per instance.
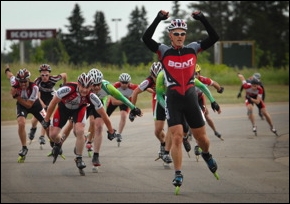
(23, 74)
(44, 67)
(255, 81)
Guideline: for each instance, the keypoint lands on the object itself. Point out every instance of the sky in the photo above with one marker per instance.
(54, 14)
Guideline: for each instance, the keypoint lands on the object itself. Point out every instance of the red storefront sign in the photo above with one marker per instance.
(30, 34)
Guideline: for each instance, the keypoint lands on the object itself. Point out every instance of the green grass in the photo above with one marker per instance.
(276, 82)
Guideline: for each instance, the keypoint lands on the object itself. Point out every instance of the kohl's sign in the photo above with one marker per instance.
(30, 34)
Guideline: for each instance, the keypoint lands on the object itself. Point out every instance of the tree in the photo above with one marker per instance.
(98, 49)
(132, 44)
(75, 42)
(267, 23)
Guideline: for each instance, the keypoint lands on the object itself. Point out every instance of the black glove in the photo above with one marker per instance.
(239, 95)
(161, 16)
(215, 106)
(111, 136)
(45, 124)
(135, 112)
(131, 117)
(7, 70)
(249, 99)
(197, 15)
(221, 90)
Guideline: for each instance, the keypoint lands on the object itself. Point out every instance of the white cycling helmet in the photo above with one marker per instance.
(96, 75)
(85, 80)
(124, 77)
(257, 76)
(177, 23)
(156, 67)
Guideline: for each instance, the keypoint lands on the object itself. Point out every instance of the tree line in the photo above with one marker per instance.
(266, 23)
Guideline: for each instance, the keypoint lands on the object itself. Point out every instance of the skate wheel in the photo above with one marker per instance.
(90, 153)
(41, 147)
(119, 144)
(188, 154)
(166, 165)
(62, 156)
(221, 139)
(30, 141)
(21, 159)
(216, 176)
(197, 157)
(255, 133)
(82, 172)
(95, 169)
(177, 189)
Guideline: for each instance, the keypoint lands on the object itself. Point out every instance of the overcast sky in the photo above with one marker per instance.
(54, 14)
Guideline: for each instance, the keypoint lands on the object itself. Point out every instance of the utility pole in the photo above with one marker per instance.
(116, 20)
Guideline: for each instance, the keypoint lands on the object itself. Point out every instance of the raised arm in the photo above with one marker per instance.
(212, 35)
(147, 36)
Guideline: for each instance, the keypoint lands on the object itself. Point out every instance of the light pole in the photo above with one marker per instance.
(116, 21)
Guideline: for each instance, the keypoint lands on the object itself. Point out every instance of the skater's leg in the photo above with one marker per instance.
(21, 130)
(98, 137)
(31, 134)
(176, 149)
(168, 143)
(122, 122)
(79, 129)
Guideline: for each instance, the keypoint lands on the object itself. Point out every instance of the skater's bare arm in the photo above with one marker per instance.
(55, 100)
(106, 119)
(8, 73)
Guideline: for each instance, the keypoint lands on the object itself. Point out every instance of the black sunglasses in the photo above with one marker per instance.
(124, 82)
(97, 84)
(178, 34)
(23, 81)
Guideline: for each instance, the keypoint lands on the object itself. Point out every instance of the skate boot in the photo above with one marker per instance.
(189, 135)
(261, 115)
(197, 152)
(187, 145)
(167, 158)
(31, 134)
(56, 150)
(41, 141)
(96, 163)
(211, 163)
(81, 165)
(22, 155)
(273, 130)
(119, 139)
(177, 182)
(60, 153)
(216, 133)
(255, 130)
(89, 147)
(161, 151)
(95, 160)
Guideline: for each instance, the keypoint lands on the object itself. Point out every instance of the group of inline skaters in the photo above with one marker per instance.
(178, 97)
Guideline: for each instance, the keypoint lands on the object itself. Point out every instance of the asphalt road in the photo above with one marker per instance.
(252, 169)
